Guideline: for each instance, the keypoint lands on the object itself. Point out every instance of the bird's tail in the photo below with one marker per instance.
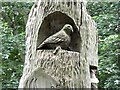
(69, 48)
(39, 47)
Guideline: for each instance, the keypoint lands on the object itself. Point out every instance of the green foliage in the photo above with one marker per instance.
(15, 14)
(12, 24)
(106, 17)
(109, 70)
(12, 56)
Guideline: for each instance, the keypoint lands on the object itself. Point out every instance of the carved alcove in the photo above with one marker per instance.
(71, 69)
(54, 23)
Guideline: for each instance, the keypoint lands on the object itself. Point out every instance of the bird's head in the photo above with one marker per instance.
(68, 29)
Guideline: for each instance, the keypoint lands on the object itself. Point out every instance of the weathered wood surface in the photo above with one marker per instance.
(74, 65)
(63, 69)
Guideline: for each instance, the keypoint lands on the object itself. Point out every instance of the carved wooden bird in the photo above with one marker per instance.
(61, 39)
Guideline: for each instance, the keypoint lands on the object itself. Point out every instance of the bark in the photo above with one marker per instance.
(66, 69)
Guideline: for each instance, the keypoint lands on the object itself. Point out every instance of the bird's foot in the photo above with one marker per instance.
(56, 50)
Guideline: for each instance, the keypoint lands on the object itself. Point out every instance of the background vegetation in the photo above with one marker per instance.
(13, 18)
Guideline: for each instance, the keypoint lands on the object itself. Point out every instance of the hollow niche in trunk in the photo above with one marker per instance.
(52, 24)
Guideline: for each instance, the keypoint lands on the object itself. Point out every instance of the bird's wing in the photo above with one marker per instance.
(54, 39)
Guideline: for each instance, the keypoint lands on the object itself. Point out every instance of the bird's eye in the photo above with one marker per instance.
(69, 27)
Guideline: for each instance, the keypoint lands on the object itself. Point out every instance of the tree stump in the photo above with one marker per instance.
(66, 68)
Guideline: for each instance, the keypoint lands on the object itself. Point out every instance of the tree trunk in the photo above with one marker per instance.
(66, 68)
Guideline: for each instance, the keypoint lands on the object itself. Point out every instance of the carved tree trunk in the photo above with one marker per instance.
(65, 69)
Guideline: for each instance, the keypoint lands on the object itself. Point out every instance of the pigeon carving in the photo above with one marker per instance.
(60, 39)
